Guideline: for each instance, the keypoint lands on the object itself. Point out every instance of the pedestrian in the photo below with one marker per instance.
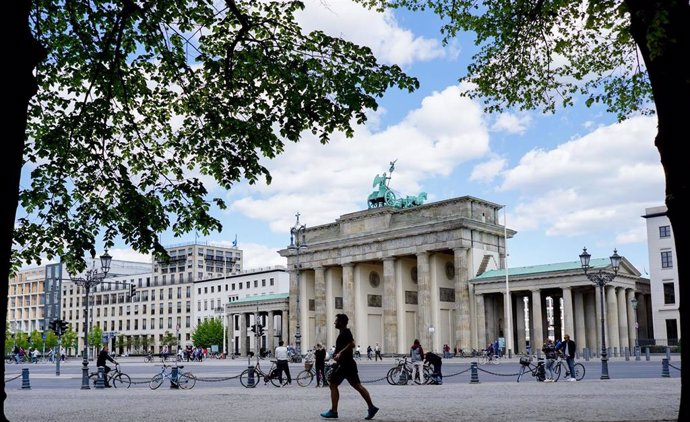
(345, 368)
(320, 365)
(568, 351)
(549, 350)
(377, 352)
(281, 355)
(369, 352)
(497, 348)
(435, 360)
(417, 359)
(358, 352)
(104, 356)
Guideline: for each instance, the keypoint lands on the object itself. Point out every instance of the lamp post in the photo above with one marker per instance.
(91, 278)
(601, 279)
(634, 304)
(298, 243)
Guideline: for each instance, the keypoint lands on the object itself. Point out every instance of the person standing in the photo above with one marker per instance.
(377, 352)
(346, 369)
(104, 356)
(568, 350)
(549, 350)
(417, 359)
(281, 355)
(369, 352)
(320, 365)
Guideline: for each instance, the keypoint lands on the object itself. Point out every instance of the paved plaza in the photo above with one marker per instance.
(655, 399)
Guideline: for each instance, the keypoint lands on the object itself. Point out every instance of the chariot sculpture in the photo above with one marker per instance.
(384, 196)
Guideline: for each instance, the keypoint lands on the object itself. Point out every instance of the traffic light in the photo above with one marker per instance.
(261, 329)
(53, 325)
(63, 327)
(253, 328)
(132, 290)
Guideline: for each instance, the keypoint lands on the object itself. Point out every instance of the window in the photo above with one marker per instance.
(170, 293)
(666, 259)
(143, 324)
(170, 322)
(136, 324)
(160, 323)
(198, 306)
(187, 321)
(170, 307)
(199, 292)
(179, 292)
(161, 295)
(233, 286)
(247, 284)
(189, 306)
(672, 332)
(160, 309)
(179, 306)
(263, 283)
(272, 282)
(664, 231)
(256, 283)
(189, 289)
(669, 294)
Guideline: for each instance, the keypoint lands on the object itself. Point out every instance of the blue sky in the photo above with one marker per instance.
(569, 180)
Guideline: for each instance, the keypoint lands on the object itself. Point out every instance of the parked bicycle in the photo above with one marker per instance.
(536, 370)
(561, 366)
(403, 367)
(116, 378)
(185, 381)
(306, 377)
(270, 376)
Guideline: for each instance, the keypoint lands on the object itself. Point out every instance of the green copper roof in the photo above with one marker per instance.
(546, 268)
(260, 298)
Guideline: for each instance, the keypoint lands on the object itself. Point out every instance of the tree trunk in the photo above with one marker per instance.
(671, 88)
(25, 54)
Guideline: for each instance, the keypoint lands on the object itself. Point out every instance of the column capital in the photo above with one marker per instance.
(389, 258)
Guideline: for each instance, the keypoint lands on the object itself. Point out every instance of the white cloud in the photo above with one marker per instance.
(129, 255)
(487, 171)
(511, 123)
(381, 32)
(326, 181)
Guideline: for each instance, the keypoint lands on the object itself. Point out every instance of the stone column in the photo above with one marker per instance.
(319, 306)
(462, 300)
(424, 299)
(390, 324)
(613, 337)
(349, 292)
(622, 320)
(434, 310)
(642, 316)
(400, 307)
(244, 345)
(520, 325)
(598, 298)
(481, 322)
(330, 308)
(568, 317)
(629, 295)
(536, 316)
(579, 311)
(270, 340)
(285, 326)
(358, 322)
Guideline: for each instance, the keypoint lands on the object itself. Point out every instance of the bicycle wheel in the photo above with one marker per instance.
(305, 378)
(426, 374)
(495, 359)
(186, 381)
(276, 381)
(121, 381)
(244, 379)
(389, 375)
(579, 371)
(156, 381)
(93, 377)
(556, 372)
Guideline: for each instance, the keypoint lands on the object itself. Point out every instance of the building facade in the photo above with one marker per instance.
(664, 277)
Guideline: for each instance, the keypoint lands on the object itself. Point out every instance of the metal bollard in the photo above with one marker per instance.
(637, 353)
(474, 378)
(26, 384)
(627, 354)
(250, 378)
(664, 368)
(646, 353)
(173, 378)
(668, 353)
(100, 379)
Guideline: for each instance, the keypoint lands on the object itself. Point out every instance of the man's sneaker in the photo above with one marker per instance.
(573, 379)
(371, 412)
(329, 414)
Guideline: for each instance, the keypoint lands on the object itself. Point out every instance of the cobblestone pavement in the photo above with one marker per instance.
(587, 400)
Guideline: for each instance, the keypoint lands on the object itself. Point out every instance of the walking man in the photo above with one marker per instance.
(346, 370)
(281, 355)
(377, 352)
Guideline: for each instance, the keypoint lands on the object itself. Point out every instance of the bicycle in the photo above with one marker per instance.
(403, 366)
(185, 381)
(561, 363)
(271, 375)
(526, 366)
(116, 378)
(305, 377)
(487, 357)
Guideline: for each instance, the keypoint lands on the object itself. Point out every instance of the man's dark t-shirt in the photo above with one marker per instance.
(102, 357)
(320, 358)
(345, 338)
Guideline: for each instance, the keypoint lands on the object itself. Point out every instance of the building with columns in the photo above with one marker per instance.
(436, 272)
(399, 274)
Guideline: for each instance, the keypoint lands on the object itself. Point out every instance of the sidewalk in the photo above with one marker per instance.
(588, 400)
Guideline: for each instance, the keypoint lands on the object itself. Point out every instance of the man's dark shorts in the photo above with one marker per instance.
(345, 372)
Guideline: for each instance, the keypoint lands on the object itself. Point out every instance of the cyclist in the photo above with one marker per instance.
(104, 356)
